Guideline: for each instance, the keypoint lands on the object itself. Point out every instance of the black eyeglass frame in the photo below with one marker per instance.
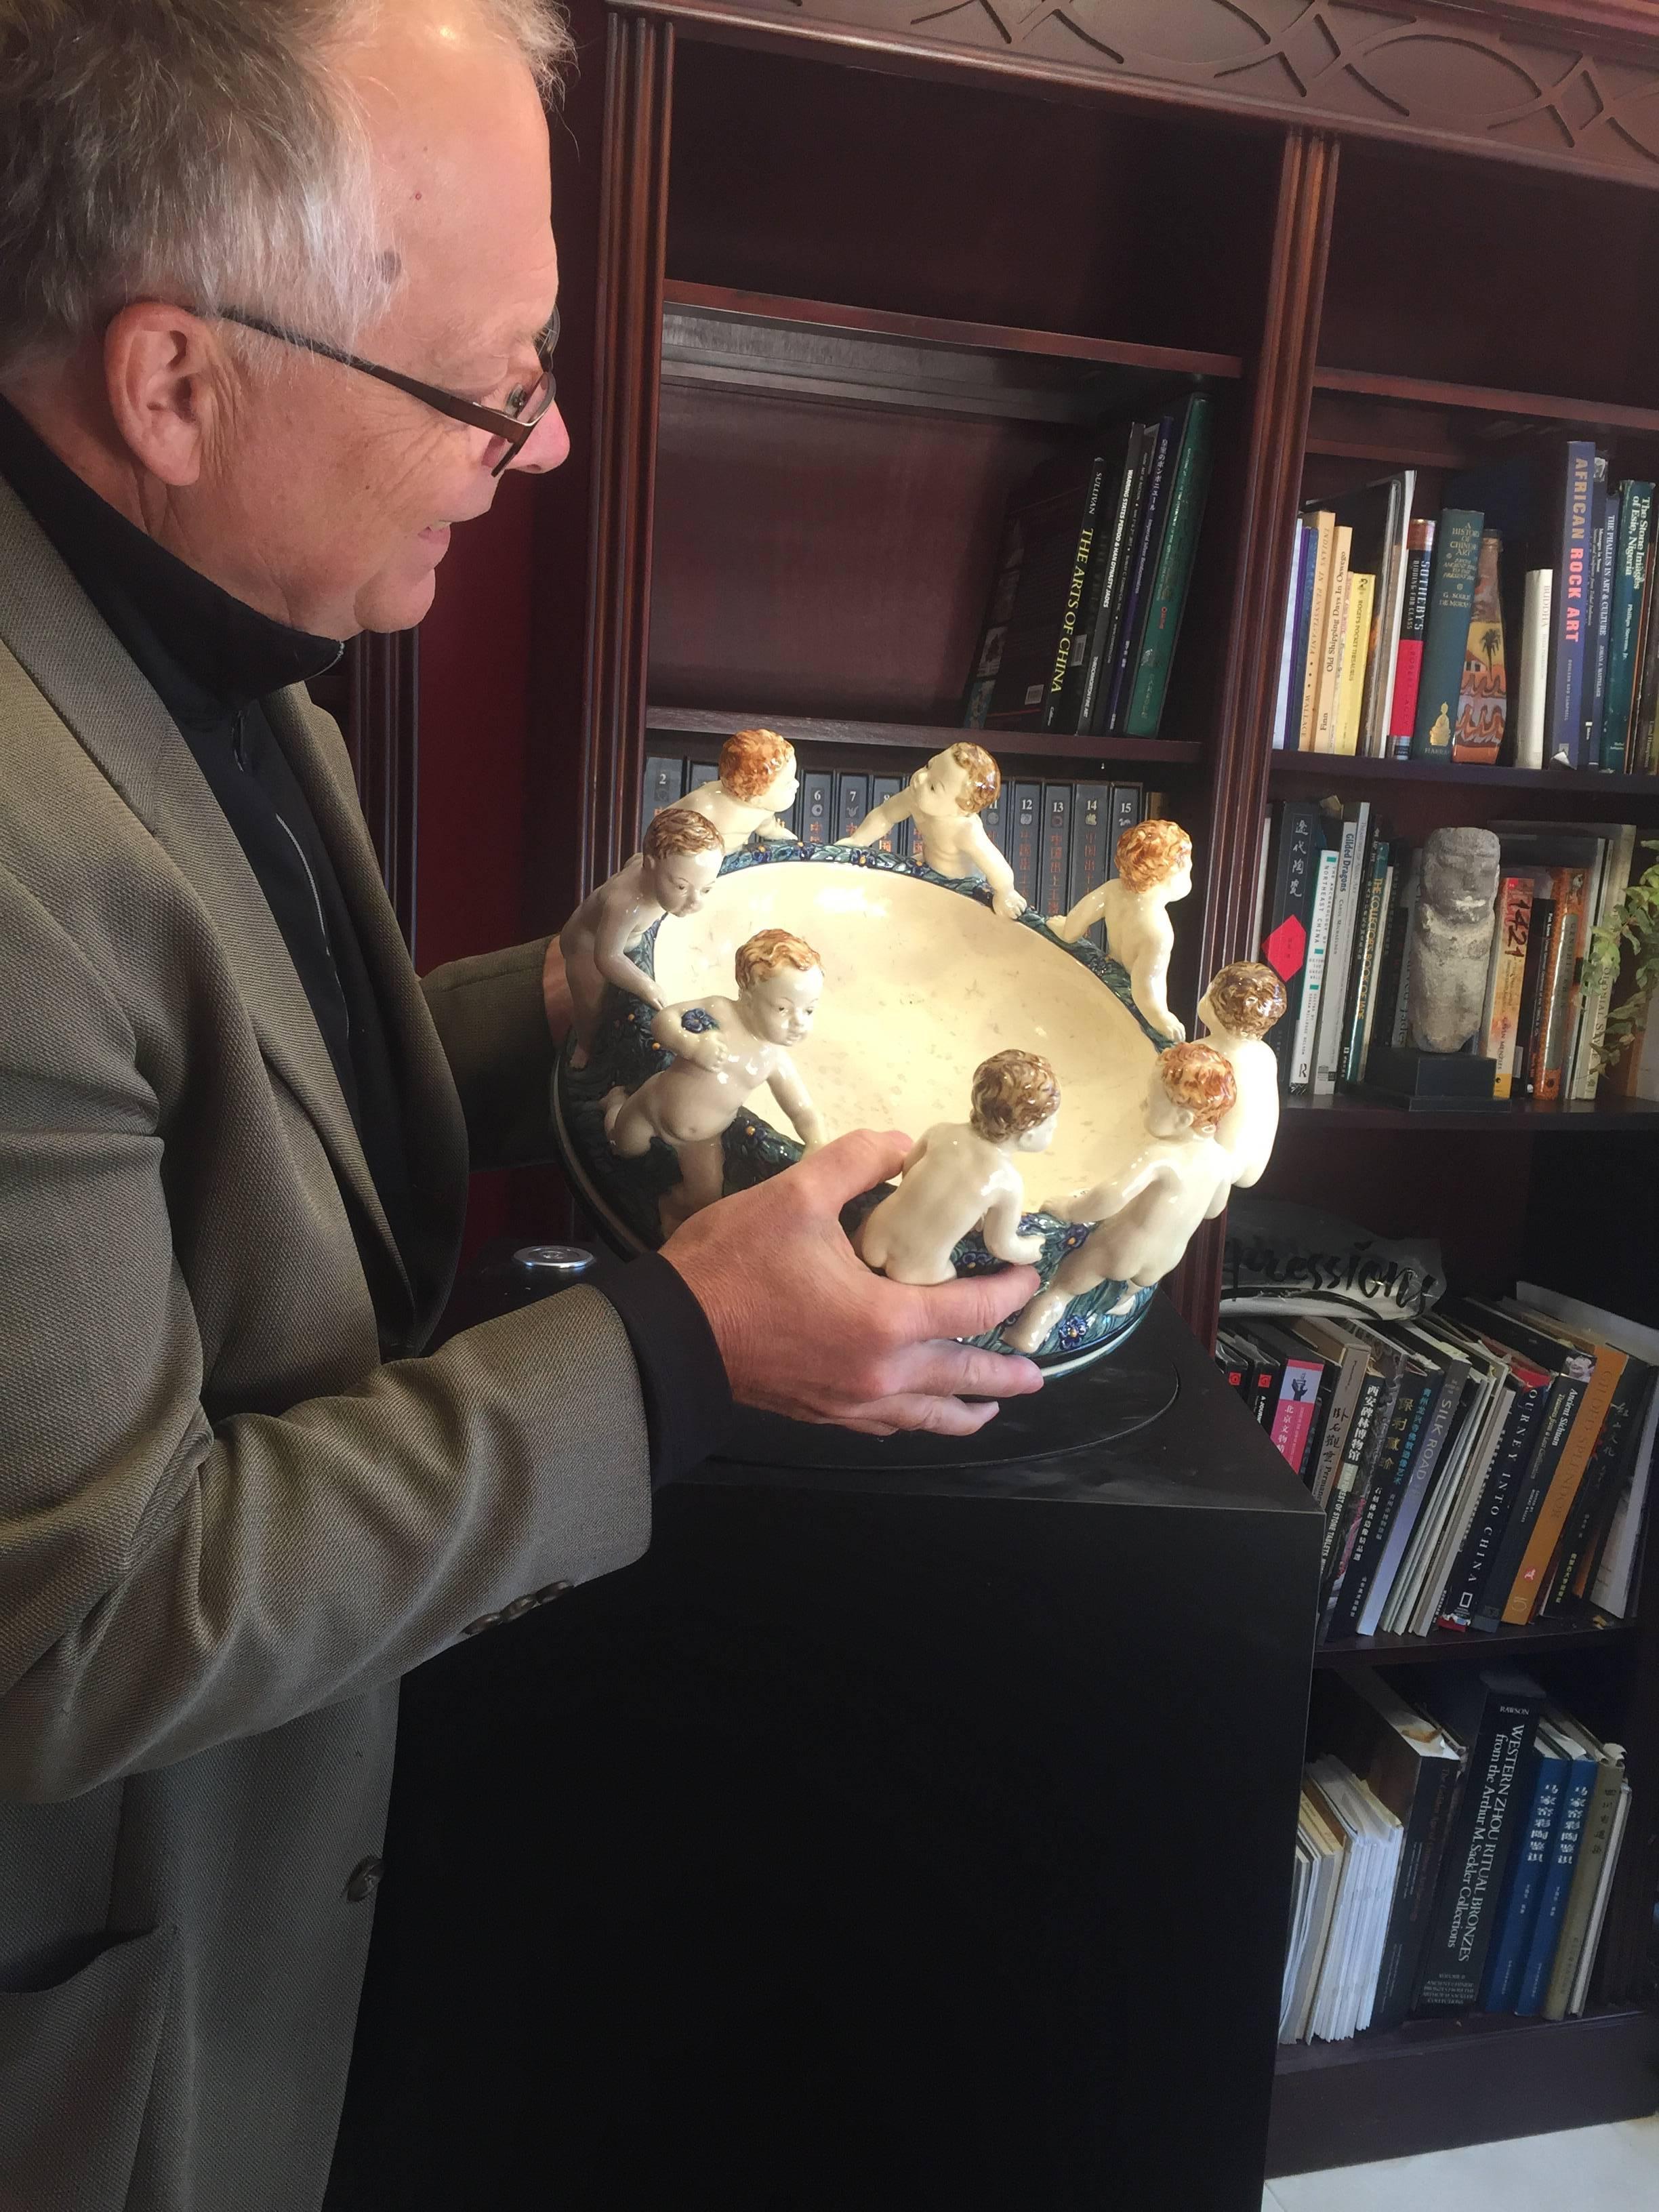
(515, 427)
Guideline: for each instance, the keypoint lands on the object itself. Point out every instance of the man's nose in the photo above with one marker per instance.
(548, 445)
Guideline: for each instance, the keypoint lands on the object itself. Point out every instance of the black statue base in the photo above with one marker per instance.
(1424, 1081)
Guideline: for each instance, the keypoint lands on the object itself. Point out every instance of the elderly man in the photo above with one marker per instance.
(276, 306)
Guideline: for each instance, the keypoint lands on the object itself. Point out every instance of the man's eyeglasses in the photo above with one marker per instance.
(515, 423)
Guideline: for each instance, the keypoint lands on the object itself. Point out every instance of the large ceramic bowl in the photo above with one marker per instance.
(922, 982)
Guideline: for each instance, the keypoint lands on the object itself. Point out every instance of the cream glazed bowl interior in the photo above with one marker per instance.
(922, 982)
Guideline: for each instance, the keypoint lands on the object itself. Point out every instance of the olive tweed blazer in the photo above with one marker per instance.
(234, 1507)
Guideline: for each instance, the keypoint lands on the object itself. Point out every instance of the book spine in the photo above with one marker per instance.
(1442, 1402)
(1026, 839)
(1599, 1815)
(1561, 1408)
(853, 803)
(1366, 963)
(1603, 546)
(1091, 804)
(1456, 564)
(660, 786)
(1290, 909)
(1564, 730)
(1483, 688)
(1149, 529)
(1477, 1860)
(1422, 1853)
(1292, 1415)
(1405, 1425)
(1635, 512)
(1054, 893)
(1532, 1577)
(1307, 1021)
(1413, 625)
(1125, 812)
(1077, 582)
(818, 807)
(1346, 1511)
(1391, 587)
(1532, 700)
(1323, 525)
(1609, 1468)
(1467, 1581)
(1173, 573)
(882, 788)
(1362, 591)
(1289, 708)
(1559, 996)
(1334, 640)
(1117, 544)
(1527, 1870)
(1639, 739)
(1350, 854)
(1557, 1883)
(1514, 918)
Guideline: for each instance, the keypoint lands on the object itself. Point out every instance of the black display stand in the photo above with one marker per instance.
(892, 1835)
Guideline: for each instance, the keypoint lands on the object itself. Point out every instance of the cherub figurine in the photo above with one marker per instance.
(1147, 1214)
(758, 782)
(691, 1104)
(682, 857)
(1154, 868)
(944, 799)
(960, 1176)
(1240, 1005)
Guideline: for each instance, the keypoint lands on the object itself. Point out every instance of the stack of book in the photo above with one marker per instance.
(1092, 579)
(1512, 624)
(1059, 837)
(1337, 895)
(1485, 1465)
(1453, 1855)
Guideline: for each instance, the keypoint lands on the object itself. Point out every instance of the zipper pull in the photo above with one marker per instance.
(239, 740)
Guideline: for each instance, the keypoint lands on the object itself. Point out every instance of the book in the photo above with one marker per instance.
(1345, 1502)
(1307, 1021)
(1367, 960)
(817, 806)
(852, 804)
(1518, 1909)
(1118, 543)
(1407, 1421)
(1532, 690)
(1352, 859)
(1320, 1842)
(1049, 535)
(1348, 1357)
(1582, 1768)
(1294, 848)
(1526, 1021)
(1607, 1365)
(1451, 594)
(1355, 643)
(1413, 625)
(1349, 1972)
(1125, 813)
(1557, 988)
(1621, 1810)
(1466, 1579)
(1161, 440)
(1026, 838)
(1503, 1010)
(1083, 667)
(1293, 648)
(1092, 859)
(1414, 1768)
(1172, 577)
(1599, 1815)
(1630, 561)
(1482, 698)
(1055, 867)
(1379, 516)
(701, 772)
(1329, 666)
(1322, 522)
(1606, 1481)
(1604, 532)
(662, 783)
(1290, 1418)
(1443, 1407)
(1495, 1712)
(884, 787)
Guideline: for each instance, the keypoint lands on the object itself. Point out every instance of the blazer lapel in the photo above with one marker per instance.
(56, 635)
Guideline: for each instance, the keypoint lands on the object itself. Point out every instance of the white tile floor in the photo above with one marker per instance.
(1610, 2169)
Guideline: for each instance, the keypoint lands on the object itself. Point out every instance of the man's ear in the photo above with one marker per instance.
(164, 372)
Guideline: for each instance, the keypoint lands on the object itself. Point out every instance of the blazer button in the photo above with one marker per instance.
(518, 1607)
(553, 1590)
(485, 1620)
(363, 1880)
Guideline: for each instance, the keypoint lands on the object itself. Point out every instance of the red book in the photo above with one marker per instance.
(1414, 621)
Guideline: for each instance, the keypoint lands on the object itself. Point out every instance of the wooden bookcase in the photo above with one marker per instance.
(858, 269)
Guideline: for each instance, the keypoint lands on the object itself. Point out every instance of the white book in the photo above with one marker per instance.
(1300, 1918)
(1581, 1980)
(1313, 972)
(1437, 1568)
(1532, 685)
(1325, 1842)
(1599, 977)
(1282, 697)
(1354, 1957)
(1350, 873)
(1261, 885)
(1474, 1449)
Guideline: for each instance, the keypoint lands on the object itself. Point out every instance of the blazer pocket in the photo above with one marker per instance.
(76, 2062)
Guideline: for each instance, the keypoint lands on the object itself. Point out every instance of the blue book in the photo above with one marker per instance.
(1091, 822)
(1054, 866)
(818, 807)
(898, 841)
(1630, 567)
(852, 803)
(662, 784)
(1604, 538)
(1551, 1906)
(1026, 839)
(1518, 1913)
(1297, 613)
(993, 819)
(1446, 640)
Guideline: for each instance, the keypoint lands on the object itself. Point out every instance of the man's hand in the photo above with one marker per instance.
(806, 1329)
(556, 992)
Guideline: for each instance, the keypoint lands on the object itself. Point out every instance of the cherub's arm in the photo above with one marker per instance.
(791, 1094)
(702, 1047)
(880, 819)
(1107, 1199)
(1084, 915)
(775, 831)
(1005, 899)
(1001, 1229)
(1149, 982)
(619, 912)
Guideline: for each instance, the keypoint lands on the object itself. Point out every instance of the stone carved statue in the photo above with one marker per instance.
(738, 1043)
(758, 781)
(681, 859)
(944, 799)
(1147, 1213)
(1240, 1005)
(960, 1177)
(1154, 868)
(1450, 938)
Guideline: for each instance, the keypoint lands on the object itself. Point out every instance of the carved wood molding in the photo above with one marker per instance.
(382, 728)
(627, 376)
(1568, 87)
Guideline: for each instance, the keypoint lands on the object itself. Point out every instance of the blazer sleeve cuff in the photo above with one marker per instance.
(682, 1380)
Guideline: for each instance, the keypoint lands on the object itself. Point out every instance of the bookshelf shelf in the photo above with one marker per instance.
(1530, 1117)
(1476, 1647)
(1488, 400)
(915, 737)
(1576, 786)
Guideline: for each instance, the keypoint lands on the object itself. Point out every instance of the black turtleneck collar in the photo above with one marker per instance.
(207, 654)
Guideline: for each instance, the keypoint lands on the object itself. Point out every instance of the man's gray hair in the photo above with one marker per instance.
(195, 151)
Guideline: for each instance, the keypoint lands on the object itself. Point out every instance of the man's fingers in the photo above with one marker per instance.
(944, 1369)
(853, 1164)
(973, 1304)
(939, 1417)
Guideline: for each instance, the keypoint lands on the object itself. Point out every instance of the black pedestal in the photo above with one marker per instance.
(891, 1836)
(1425, 1081)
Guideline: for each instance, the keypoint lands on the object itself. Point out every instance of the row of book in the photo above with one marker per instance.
(1060, 838)
(1512, 625)
(1454, 1854)
(1092, 578)
(1336, 899)
(1485, 1464)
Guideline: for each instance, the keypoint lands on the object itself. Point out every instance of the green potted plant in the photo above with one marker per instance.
(1635, 922)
